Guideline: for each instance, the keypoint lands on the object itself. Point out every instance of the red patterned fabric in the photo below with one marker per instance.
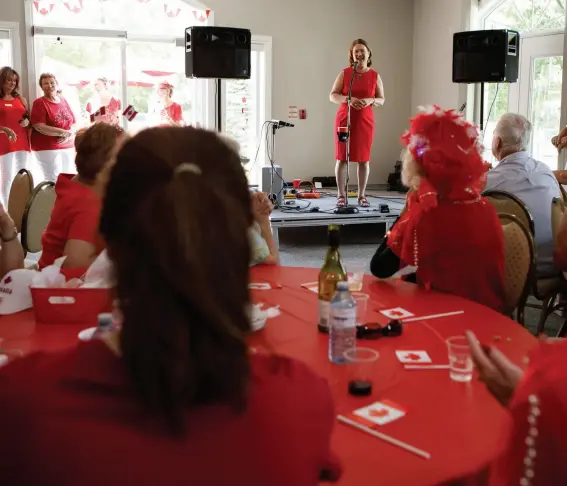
(451, 234)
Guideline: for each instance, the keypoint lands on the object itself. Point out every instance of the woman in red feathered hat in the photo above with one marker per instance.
(449, 232)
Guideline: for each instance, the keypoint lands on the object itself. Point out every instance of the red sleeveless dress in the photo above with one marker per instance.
(361, 121)
(11, 112)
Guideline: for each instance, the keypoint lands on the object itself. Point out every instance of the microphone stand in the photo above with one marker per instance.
(346, 209)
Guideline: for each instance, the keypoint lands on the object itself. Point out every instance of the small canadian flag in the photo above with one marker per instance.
(130, 113)
(100, 112)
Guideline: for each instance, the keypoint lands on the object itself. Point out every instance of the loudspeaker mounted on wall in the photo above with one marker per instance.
(486, 56)
(217, 52)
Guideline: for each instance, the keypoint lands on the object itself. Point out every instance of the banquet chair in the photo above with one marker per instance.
(519, 264)
(20, 193)
(544, 289)
(37, 215)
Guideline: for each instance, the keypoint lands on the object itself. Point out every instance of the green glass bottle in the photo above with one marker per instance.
(332, 271)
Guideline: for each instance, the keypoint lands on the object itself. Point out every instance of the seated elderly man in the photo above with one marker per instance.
(531, 181)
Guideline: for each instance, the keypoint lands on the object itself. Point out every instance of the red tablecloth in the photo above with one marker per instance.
(458, 424)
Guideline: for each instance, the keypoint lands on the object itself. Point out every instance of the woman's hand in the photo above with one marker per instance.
(498, 373)
(24, 123)
(355, 103)
(65, 136)
(261, 207)
(12, 137)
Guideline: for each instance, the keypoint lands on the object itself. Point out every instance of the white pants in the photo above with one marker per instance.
(55, 162)
(10, 165)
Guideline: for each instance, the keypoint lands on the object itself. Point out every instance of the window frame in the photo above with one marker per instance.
(207, 112)
(13, 29)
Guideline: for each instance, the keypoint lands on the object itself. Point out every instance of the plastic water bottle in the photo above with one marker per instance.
(342, 324)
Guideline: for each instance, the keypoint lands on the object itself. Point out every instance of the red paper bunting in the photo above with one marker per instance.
(171, 12)
(43, 8)
(201, 16)
(74, 6)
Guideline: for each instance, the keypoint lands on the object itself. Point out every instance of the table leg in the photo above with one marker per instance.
(275, 233)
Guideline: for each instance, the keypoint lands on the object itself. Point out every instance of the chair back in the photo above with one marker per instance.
(37, 215)
(557, 210)
(504, 202)
(20, 193)
(563, 194)
(519, 267)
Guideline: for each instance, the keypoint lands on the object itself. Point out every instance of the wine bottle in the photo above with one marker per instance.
(332, 271)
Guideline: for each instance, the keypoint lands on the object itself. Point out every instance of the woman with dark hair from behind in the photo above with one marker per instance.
(178, 382)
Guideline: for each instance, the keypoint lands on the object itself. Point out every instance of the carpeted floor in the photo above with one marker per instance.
(306, 247)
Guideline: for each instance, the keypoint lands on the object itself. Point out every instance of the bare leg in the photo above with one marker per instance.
(363, 172)
(340, 174)
(11, 252)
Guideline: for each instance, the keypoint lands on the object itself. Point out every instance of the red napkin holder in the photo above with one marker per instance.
(70, 306)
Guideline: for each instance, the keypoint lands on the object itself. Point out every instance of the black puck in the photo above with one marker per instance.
(359, 388)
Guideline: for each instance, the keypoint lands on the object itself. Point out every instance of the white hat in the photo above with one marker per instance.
(15, 293)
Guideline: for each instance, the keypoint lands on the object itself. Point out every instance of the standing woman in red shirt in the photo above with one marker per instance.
(14, 131)
(178, 383)
(53, 130)
(103, 99)
(167, 111)
(367, 92)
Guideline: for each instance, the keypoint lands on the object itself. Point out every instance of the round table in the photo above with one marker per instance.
(459, 424)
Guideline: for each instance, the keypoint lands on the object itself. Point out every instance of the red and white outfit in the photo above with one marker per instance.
(53, 157)
(13, 155)
(361, 121)
(173, 112)
(80, 404)
(449, 232)
(112, 111)
(535, 444)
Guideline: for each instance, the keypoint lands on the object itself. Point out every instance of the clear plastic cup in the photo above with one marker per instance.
(361, 365)
(361, 307)
(355, 274)
(460, 359)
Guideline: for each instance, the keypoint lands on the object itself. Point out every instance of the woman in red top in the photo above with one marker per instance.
(167, 112)
(367, 92)
(73, 228)
(14, 131)
(178, 385)
(449, 232)
(103, 98)
(535, 444)
(52, 136)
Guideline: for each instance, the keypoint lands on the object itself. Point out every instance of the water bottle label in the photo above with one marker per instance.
(324, 309)
(342, 318)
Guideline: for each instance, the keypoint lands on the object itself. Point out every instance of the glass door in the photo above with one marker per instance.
(537, 94)
(6, 48)
(246, 109)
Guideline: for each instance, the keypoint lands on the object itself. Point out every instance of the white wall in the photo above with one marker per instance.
(310, 43)
(434, 23)
(310, 47)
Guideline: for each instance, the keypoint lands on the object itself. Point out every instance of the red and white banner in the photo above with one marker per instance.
(170, 11)
(201, 16)
(43, 7)
(74, 6)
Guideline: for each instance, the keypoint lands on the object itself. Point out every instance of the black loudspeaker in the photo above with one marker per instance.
(217, 52)
(486, 56)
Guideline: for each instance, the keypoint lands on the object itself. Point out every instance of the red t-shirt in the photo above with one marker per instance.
(175, 112)
(75, 216)
(70, 418)
(112, 111)
(52, 114)
(11, 113)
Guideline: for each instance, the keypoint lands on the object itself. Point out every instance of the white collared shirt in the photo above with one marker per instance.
(535, 185)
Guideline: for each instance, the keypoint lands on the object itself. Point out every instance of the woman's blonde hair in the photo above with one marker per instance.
(411, 170)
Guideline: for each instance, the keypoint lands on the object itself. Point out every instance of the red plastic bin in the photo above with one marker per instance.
(70, 306)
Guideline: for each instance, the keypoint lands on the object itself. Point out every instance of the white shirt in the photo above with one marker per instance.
(535, 185)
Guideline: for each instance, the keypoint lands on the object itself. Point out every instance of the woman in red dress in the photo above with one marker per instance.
(14, 131)
(167, 112)
(367, 92)
(103, 98)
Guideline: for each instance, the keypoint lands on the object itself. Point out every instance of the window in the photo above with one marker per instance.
(531, 17)
(9, 45)
(131, 45)
(247, 106)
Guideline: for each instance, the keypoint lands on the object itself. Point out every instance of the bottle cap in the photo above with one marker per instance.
(342, 285)
(360, 388)
(105, 320)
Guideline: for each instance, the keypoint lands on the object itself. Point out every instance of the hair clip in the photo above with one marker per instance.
(187, 167)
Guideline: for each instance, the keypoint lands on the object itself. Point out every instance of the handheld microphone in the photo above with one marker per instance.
(355, 64)
(280, 123)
